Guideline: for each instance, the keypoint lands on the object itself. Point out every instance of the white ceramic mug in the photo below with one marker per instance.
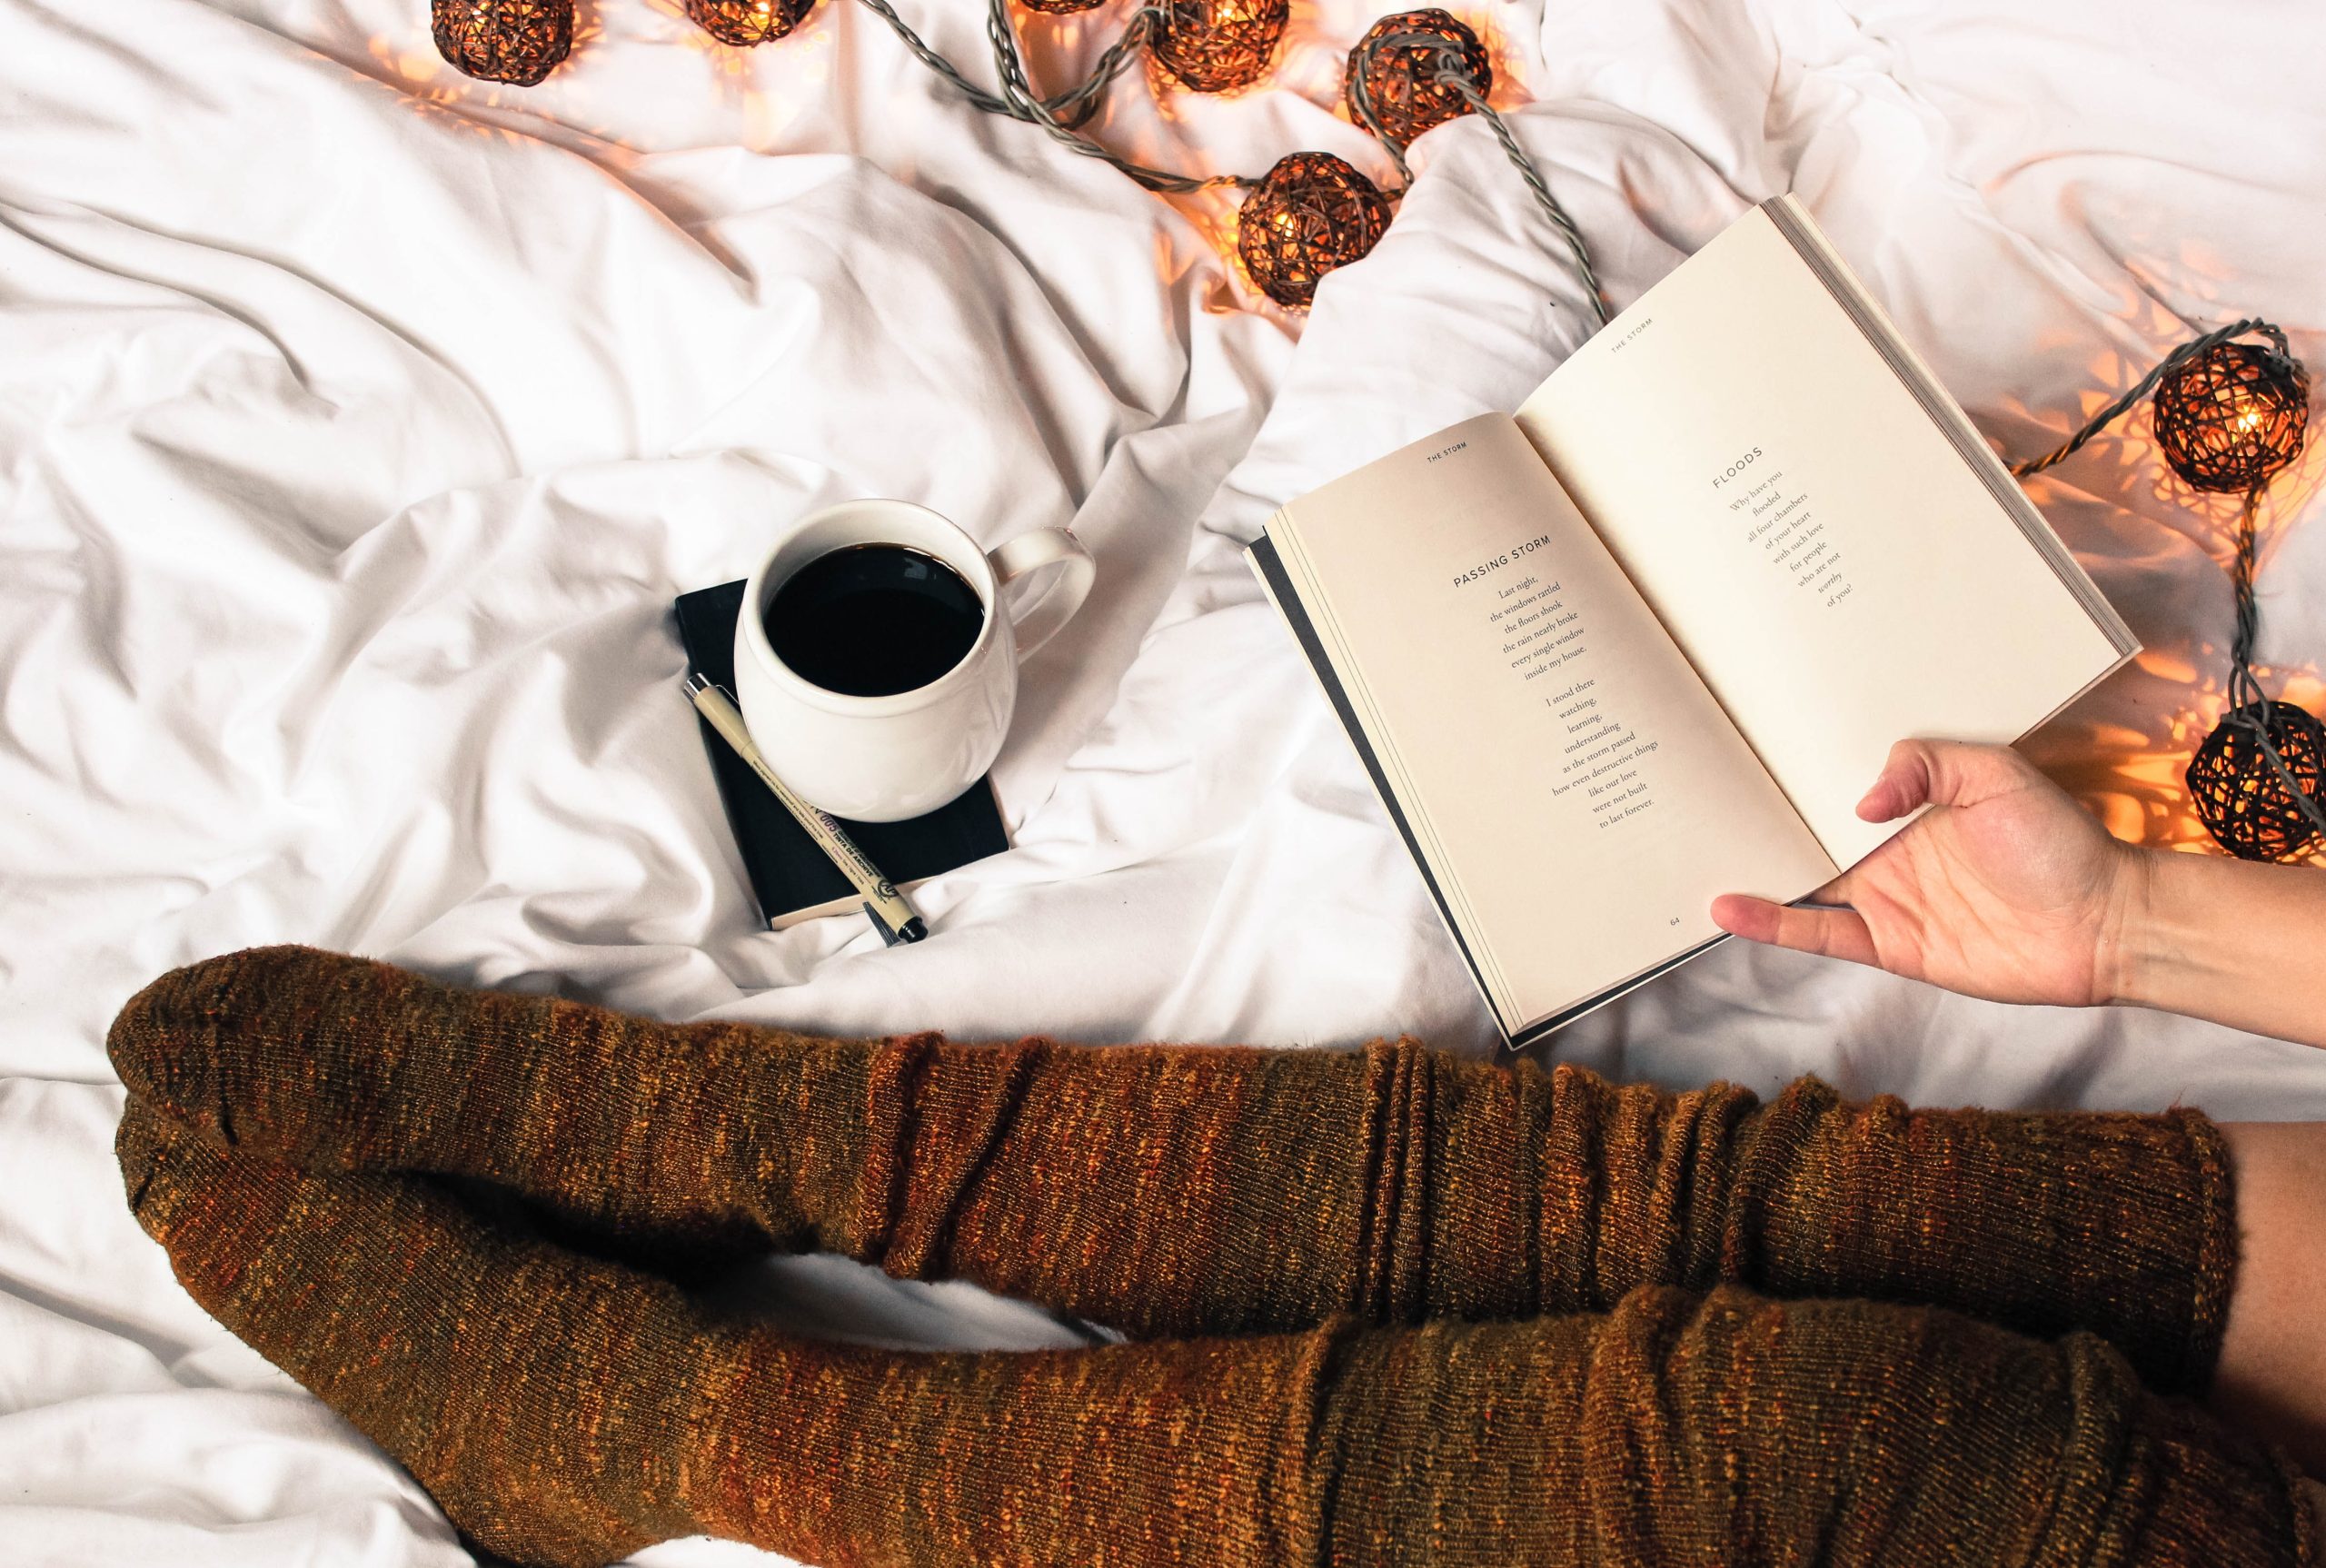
(884, 759)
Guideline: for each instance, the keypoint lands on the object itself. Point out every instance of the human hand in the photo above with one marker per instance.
(2004, 888)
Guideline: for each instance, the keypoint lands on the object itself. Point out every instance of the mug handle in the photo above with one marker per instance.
(1030, 553)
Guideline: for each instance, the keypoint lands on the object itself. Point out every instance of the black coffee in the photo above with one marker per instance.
(873, 620)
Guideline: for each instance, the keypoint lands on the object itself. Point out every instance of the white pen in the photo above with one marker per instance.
(891, 915)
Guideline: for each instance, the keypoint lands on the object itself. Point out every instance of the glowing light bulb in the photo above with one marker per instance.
(1409, 73)
(1218, 46)
(743, 23)
(2229, 417)
(1311, 213)
(514, 41)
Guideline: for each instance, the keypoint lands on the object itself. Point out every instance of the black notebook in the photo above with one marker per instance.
(793, 879)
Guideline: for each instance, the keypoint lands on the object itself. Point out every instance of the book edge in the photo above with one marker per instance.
(1552, 1022)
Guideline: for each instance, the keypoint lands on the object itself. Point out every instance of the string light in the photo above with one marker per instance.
(1406, 74)
(744, 23)
(514, 41)
(2259, 801)
(2255, 781)
(2229, 417)
(1218, 46)
(1415, 65)
(2232, 415)
(1312, 212)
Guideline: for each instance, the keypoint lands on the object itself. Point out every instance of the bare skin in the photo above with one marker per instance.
(2005, 889)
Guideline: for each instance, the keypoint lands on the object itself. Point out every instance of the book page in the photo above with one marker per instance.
(1576, 796)
(1828, 552)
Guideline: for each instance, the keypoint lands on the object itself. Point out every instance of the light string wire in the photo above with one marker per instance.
(2166, 366)
(1071, 108)
(1451, 75)
(2245, 691)
(2245, 688)
(1064, 114)
(1017, 93)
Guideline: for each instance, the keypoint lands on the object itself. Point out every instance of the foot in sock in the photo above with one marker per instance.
(567, 1412)
(656, 1139)
(1205, 1190)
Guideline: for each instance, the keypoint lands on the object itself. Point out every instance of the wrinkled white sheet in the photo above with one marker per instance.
(357, 424)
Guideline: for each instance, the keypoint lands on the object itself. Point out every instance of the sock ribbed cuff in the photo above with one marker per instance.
(2124, 1225)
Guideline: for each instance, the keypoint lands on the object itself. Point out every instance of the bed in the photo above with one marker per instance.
(358, 424)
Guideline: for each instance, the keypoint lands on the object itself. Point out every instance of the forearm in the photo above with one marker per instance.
(2227, 940)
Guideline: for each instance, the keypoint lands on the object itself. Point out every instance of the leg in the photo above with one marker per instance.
(2272, 1375)
(568, 1411)
(1185, 1191)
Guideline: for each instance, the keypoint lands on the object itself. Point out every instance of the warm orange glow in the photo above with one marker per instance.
(2127, 766)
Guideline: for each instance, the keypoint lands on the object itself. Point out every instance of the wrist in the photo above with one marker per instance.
(2163, 950)
(2226, 940)
(2126, 965)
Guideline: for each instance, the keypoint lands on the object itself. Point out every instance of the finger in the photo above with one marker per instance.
(1941, 773)
(1829, 933)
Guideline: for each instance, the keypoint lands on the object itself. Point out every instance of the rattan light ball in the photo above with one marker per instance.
(514, 41)
(2233, 416)
(1312, 212)
(2240, 796)
(747, 22)
(1061, 8)
(1216, 46)
(1395, 68)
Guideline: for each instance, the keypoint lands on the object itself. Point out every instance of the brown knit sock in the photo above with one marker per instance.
(1202, 1190)
(568, 1411)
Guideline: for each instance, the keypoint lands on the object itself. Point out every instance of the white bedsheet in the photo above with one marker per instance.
(357, 424)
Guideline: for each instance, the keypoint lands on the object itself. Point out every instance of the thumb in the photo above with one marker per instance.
(1942, 773)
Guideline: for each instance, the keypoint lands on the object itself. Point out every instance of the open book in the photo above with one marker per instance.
(1651, 640)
